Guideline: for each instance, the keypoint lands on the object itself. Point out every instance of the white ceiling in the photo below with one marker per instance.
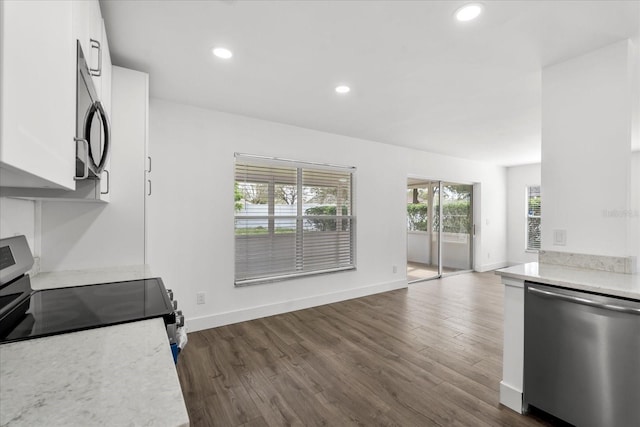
(419, 78)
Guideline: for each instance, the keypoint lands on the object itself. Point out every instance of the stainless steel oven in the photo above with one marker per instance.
(92, 125)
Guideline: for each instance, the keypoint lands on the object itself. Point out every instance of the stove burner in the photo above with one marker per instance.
(55, 311)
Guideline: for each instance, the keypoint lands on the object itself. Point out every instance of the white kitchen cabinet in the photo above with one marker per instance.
(88, 30)
(106, 72)
(95, 55)
(82, 25)
(106, 78)
(37, 95)
(39, 113)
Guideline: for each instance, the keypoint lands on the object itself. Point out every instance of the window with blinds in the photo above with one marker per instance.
(291, 219)
(533, 218)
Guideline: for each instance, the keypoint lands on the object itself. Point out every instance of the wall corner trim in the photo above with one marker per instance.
(511, 397)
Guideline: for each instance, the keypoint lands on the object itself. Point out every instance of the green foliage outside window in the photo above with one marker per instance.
(457, 217)
(238, 196)
(329, 224)
(417, 216)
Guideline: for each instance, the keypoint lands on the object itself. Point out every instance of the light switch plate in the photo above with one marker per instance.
(200, 298)
(559, 237)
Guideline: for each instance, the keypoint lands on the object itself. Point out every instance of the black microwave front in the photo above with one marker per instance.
(92, 125)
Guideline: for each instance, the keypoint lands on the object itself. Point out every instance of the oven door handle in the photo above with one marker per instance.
(586, 301)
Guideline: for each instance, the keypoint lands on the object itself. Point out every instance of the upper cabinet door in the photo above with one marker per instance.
(95, 57)
(105, 180)
(87, 28)
(106, 73)
(37, 94)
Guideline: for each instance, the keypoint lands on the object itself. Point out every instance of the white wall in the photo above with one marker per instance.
(586, 149)
(18, 217)
(79, 235)
(190, 216)
(518, 179)
(634, 212)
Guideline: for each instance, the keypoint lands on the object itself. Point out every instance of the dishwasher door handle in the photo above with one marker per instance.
(585, 301)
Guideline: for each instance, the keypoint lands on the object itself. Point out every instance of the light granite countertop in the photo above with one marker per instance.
(603, 282)
(63, 279)
(120, 375)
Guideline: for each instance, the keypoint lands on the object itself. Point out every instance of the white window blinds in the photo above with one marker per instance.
(291, 219)
(533, 218)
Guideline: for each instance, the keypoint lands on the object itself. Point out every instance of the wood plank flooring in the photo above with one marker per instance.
(429, 355)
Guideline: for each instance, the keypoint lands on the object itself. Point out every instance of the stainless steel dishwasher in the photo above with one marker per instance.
(582, 356)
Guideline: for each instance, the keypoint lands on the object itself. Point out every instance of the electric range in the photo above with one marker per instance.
(27, 314)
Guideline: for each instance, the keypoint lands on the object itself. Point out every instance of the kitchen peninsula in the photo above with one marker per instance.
(606, 283)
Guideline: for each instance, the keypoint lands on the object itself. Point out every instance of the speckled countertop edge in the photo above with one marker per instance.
(61, 279)
(118, 375)
(603, 282)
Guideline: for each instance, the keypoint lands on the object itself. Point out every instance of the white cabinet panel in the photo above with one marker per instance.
(95, 54)
(82, 24)
(37, 101)
(88, 29)
(71, 233)
(105, 182)
(38, 96)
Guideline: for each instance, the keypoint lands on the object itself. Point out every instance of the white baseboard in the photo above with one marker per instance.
(230, 317)
(511, 397)
(490, 267)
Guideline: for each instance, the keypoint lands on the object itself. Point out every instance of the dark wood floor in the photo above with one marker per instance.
(429, 355)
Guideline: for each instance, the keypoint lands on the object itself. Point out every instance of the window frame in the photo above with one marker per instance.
(300, 216)
(528, 217)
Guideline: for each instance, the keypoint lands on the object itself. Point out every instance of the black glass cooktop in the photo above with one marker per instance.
(55, 311)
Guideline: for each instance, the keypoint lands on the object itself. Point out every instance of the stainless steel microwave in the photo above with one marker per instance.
(92, 125)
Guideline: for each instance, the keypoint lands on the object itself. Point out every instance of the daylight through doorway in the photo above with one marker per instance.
(439, 228)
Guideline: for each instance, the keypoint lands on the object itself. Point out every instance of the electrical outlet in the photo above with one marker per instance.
(200, 298)
(395, 269)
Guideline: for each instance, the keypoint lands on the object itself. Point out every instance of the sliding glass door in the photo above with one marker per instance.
(423, 260)
(439, 228)
(457, 227)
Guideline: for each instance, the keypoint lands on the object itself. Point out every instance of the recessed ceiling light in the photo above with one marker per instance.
(343, 89)
(468, 12)
(223, 53)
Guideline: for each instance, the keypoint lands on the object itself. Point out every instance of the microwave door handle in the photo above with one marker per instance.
(97, 109)
(106, 129)
(85, 173)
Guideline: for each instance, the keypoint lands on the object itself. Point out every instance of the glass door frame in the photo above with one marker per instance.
(472, 234)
